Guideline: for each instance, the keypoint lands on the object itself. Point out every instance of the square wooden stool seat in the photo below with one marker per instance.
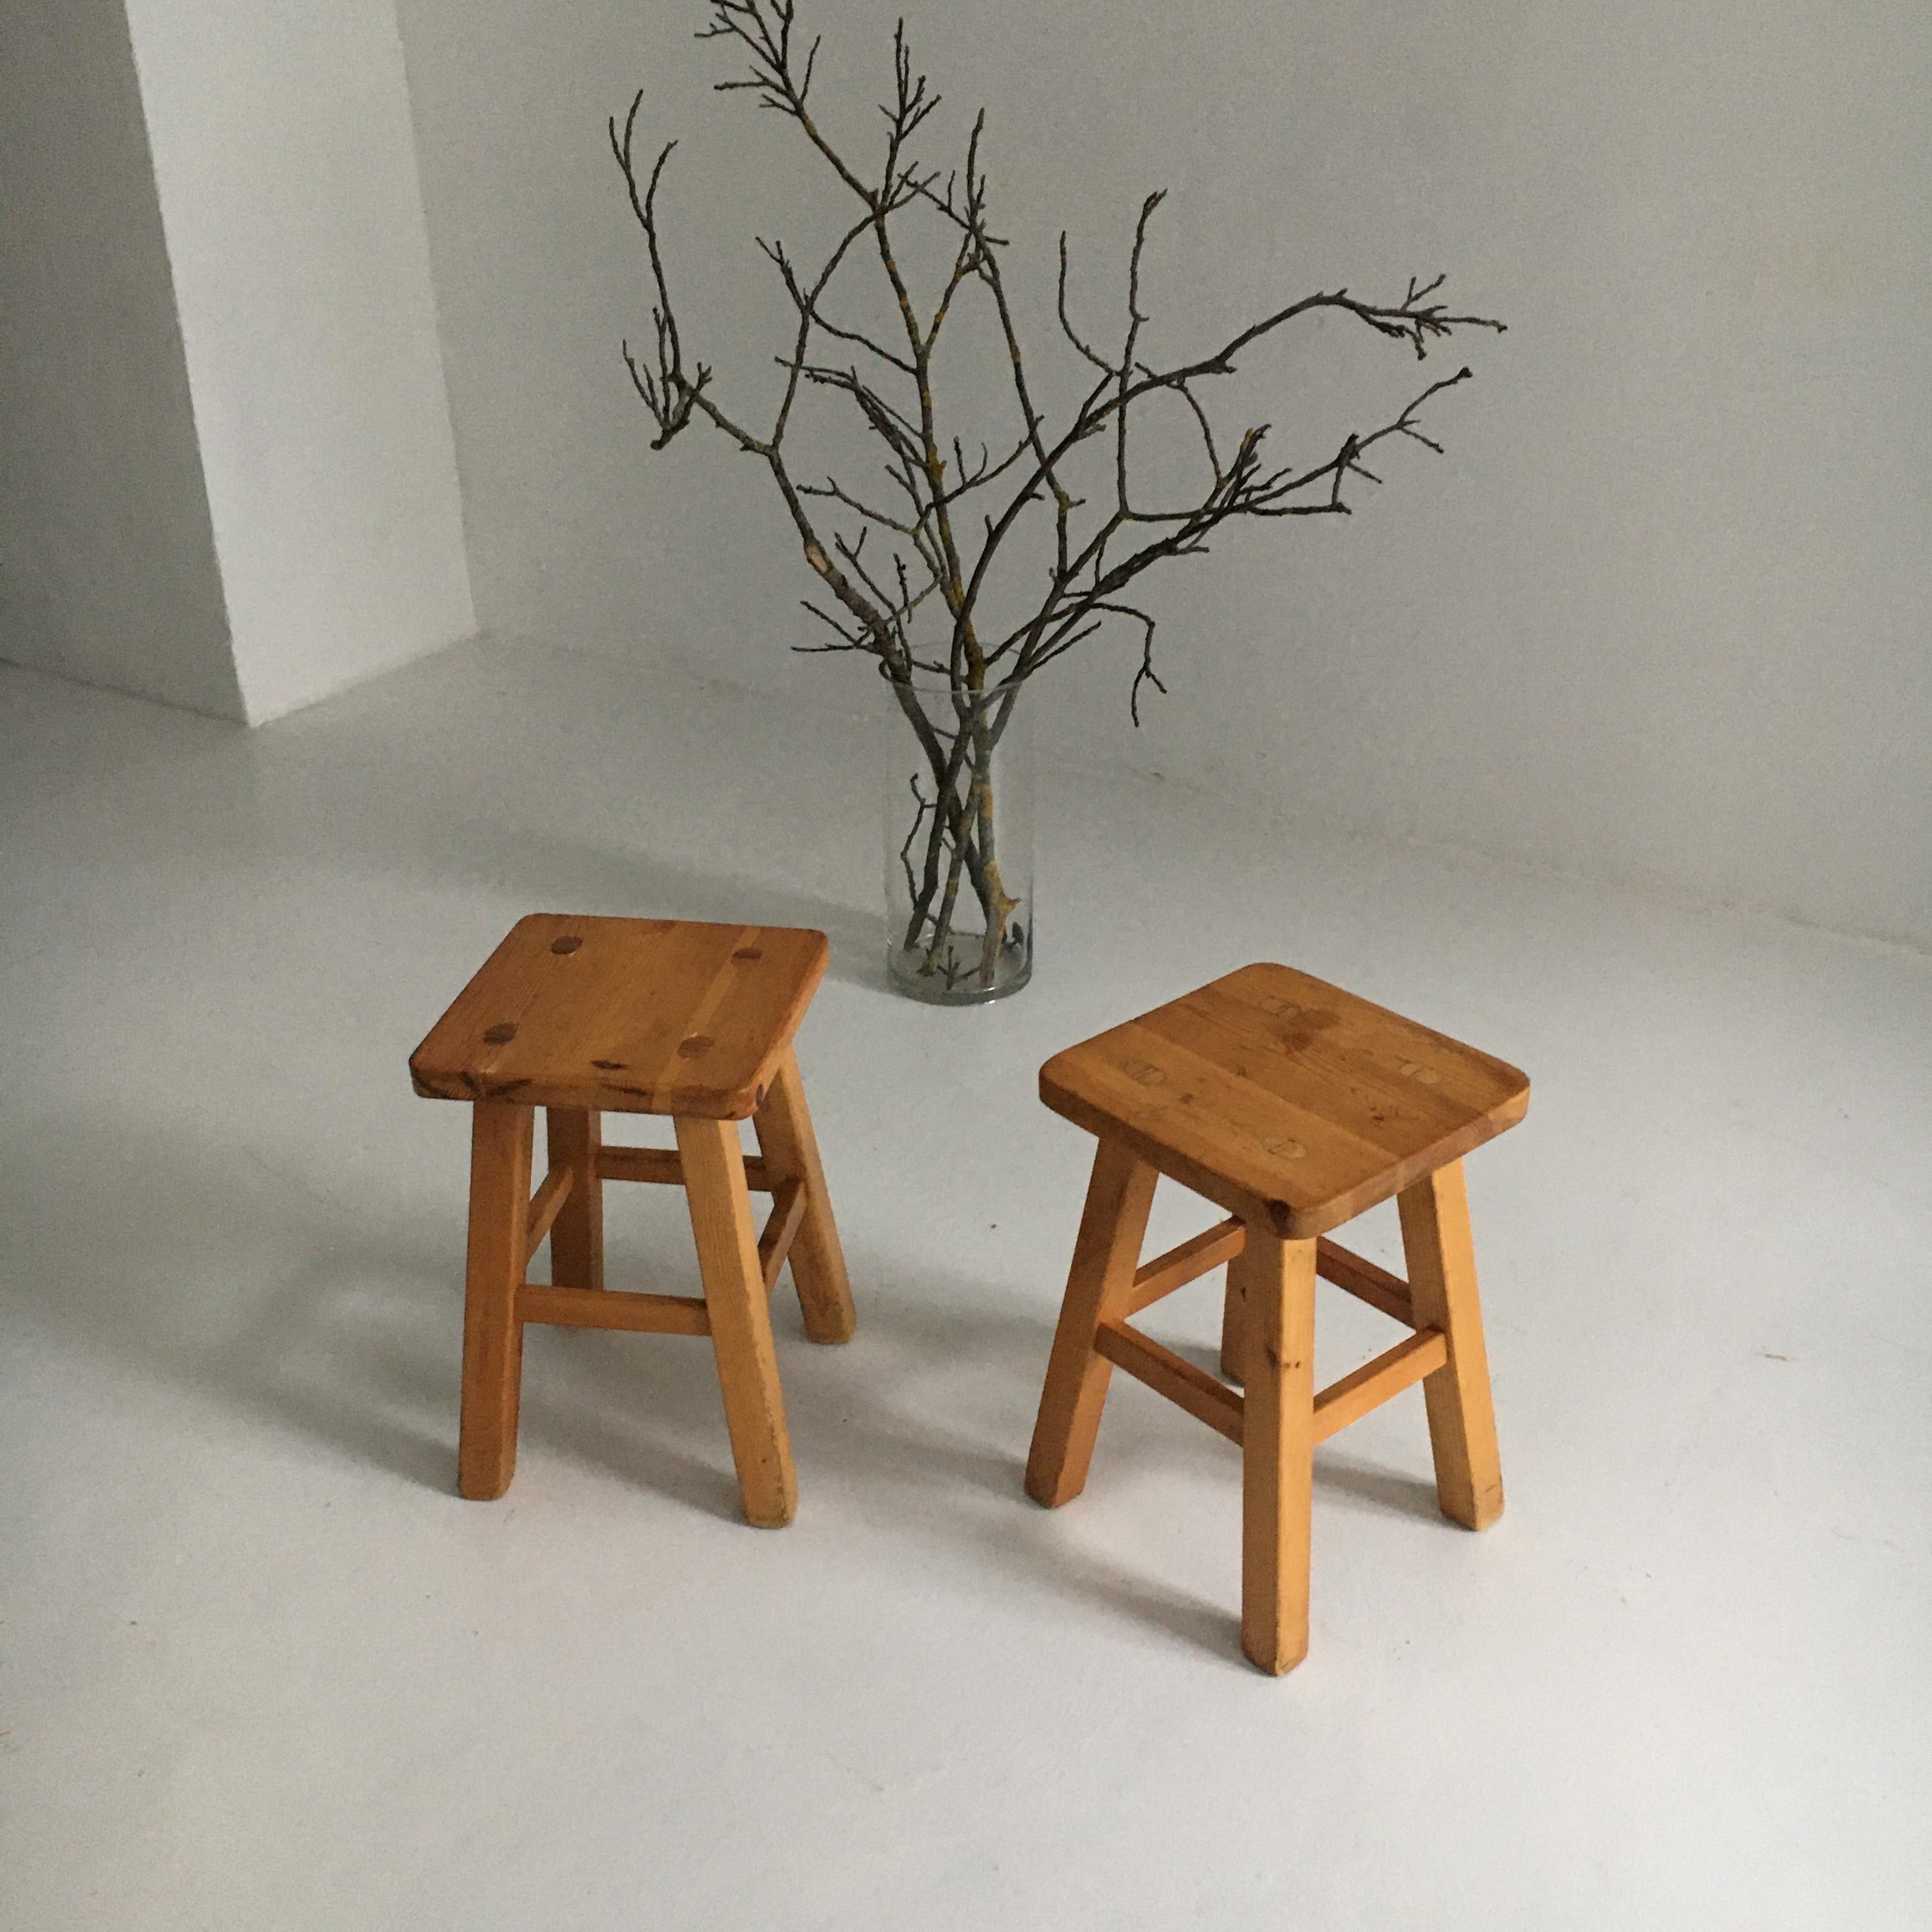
(1296, 1106)
(584, 1016)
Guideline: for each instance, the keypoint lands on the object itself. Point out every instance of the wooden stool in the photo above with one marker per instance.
(1295, 1106)
(582, 1016)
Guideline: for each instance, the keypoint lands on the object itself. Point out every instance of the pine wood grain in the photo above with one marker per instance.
(1376, 1382)
(741, 1328)
(780, 1231)
(790, 1147)
(613, 1308)
(1212, 1248)
(545, 1205)
(660, 1167)
(1384, 1292)
(1442, 1261)
(636, 1015)
(1100, 1287)
(574, 1136)
(1285, 1099)
(1234, 1328)
(500, 1139)
(1172, 1376)
(1295, 1106)
(581, 1015)
(1278, 1447)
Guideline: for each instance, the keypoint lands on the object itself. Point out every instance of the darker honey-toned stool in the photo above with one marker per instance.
(1295, 1106)
(585, 1016)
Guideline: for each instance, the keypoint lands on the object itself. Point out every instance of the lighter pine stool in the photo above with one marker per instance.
(1295, 1106)
(585, 1016)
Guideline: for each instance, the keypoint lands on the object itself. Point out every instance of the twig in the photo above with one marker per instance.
(875, 596)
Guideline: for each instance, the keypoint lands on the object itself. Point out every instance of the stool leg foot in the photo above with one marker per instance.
(791, 1148)
(1442, 1290)
(741, 1325)
(1277, 1280)
(493, 1337)
(574, 1136)
(1234, 1362)
(1099, 1285)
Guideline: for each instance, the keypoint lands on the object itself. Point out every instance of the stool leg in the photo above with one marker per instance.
(741, 1324)
(1442, 1291)
(1234, 1364)
(791, 1148)
(1277, 1284)
(1099, 1285)
(574, 1136)
(493, 1337)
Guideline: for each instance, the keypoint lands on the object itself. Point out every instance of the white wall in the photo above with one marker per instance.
(287, 167)
(107, 564)
(1659, 616)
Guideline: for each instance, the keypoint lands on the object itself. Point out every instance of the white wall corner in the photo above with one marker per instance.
(108, 570)
(289, 193)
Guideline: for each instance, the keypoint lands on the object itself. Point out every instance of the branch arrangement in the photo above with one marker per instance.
(945, 514)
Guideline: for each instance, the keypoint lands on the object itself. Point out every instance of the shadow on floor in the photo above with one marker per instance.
(521, 799)
(181, 1270)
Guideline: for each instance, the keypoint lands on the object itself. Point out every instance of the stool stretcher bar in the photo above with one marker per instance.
(781, 1230)
(1364, 1280)
(649, 1314)
(1223, 1409)
(606, 1308)
(1167, 1374)
(1189, 1262)
(1154, 1279)
(544, 1205)
(1374, 1382)
(661, 1167)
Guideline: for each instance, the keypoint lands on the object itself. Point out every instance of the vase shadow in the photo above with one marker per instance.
(531, 797)
(585, 879)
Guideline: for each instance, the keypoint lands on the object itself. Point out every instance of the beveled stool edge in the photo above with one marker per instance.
(737, 1103)
(1290, 1222)
(458, 1080)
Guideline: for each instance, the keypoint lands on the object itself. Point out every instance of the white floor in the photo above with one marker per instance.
(260, 1668)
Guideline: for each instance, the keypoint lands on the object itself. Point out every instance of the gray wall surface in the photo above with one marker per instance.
(108, 571)
(287, 166)
(1658, 616)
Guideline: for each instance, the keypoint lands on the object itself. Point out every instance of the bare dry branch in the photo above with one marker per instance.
(875, 596)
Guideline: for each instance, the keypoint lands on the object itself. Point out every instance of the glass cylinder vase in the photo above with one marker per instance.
(957, 771)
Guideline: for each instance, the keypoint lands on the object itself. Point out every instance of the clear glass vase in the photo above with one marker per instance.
(958, 773)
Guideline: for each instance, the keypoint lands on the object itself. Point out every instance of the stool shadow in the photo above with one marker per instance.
(1355, 1483)
(557, 875)
(524, 834)
(867, 1433)
(285, 1367)
(539, 871)
(648, 1415)
(921, 1424)
(1035, 1549)
(355, 1345)
(179, 1269)
(1372, 1487)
